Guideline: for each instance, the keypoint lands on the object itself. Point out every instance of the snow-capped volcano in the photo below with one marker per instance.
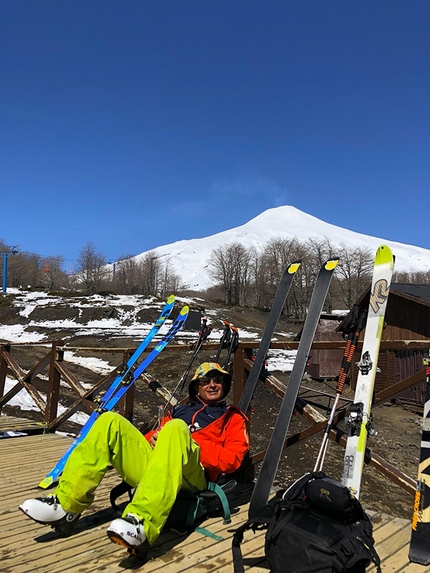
(190, 259)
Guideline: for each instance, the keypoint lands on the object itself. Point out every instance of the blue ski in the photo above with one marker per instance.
(123, 381)
(174, 329)
(124, 372)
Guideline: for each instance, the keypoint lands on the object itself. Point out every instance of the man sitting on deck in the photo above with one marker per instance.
(197, 442)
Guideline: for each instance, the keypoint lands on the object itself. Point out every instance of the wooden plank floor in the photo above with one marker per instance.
(30, 547)
(9, 424)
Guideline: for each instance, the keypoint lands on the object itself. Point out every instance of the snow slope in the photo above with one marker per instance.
(190, 259)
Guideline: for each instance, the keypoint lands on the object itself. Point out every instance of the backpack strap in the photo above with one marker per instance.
(258, 523)
(119, 490)
(353, 550)
(295, 489)
(214, 491)
(199, 506)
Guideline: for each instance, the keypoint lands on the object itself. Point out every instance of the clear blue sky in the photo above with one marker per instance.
(135, 123)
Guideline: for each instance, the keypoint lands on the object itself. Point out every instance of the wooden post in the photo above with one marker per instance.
(53, 393)
(3, 368)
(126, 403)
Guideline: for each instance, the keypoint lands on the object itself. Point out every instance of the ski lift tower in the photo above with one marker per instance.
(6, 255)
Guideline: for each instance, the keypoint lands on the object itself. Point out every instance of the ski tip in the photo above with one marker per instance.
(171, 299)
(47, 482)
(294, 267)
(331, 264)
(184, 310)
(384, 256)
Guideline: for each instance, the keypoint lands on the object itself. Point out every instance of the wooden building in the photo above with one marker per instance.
(325, 364)
(407, 318)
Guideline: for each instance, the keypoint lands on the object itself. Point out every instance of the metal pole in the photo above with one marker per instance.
(5, 257)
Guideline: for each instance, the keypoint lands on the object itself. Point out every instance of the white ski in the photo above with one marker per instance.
(360, 420)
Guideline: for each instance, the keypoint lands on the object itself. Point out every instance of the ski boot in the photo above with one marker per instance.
(48, 511)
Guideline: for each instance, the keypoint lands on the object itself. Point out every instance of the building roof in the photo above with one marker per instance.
(420, 291)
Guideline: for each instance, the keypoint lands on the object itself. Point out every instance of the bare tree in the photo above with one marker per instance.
(126, 275)
(91, 267)
(170, 281)
(230, 266)
(318, 252)
(269, 267)
(149, 274)
(419, 277)
(354, 273)
(25, 269)
(54, 275)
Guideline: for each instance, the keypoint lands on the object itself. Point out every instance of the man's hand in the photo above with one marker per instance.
(153, 439)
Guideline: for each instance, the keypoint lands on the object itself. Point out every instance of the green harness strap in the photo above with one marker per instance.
(219, 491)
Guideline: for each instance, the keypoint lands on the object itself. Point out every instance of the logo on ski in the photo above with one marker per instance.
(379, 295)
(348, 462)
(365, 364)
(417, 513)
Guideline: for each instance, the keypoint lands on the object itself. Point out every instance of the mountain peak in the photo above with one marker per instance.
(190, 259)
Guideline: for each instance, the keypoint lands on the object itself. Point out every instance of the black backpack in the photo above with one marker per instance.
(315, 526)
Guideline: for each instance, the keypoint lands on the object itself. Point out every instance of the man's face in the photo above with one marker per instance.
(210, 388)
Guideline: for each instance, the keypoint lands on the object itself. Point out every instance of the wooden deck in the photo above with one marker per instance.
(29, 547)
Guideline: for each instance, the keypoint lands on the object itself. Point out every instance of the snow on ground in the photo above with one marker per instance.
(281, 360)
(16, 333)
(91, 363)
(25, 402)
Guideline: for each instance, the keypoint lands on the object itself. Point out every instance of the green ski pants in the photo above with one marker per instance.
(157, 474)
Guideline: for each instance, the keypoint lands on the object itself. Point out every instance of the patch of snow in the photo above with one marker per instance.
(281, 360)
(91, 363)
(25, 402)
(17, 333)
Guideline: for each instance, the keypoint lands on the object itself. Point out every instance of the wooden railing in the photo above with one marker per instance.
(59, 371)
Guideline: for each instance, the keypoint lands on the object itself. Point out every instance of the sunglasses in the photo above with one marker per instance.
(206, 380)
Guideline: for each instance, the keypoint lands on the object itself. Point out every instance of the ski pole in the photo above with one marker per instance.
(203, 335)
(225, 339)
(348, 355)
(234, 341)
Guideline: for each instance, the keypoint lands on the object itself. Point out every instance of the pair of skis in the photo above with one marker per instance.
(126, 377)
(270, 463)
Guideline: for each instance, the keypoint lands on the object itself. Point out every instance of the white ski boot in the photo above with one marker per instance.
(129, 532)
(47, 510)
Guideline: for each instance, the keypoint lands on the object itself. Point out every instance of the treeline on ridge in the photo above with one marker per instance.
(243, 276)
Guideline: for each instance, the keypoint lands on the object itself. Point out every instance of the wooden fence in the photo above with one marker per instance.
(58, 371)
